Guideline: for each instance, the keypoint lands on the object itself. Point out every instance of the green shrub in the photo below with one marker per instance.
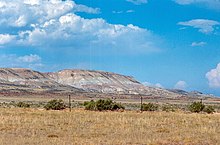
(209, 109)
(90, 105)
(196, 107)
(23, 105)
(101, 105)
(150, 107)
(104, 104)
(55, 105)
(168, 108)
(117, 106)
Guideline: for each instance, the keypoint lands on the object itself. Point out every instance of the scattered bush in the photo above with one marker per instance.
(150, 107)
(101, 105)
(209, 109)
(90, 105)
(55, 105)
(23, 105)
(196, 107)
(168, 108)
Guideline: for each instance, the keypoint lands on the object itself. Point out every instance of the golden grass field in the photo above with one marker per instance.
(41, 127)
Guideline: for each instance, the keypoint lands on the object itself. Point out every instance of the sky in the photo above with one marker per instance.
(163, 43)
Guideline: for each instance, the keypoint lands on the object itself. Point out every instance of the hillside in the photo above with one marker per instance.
(85, 81)
(26, 80)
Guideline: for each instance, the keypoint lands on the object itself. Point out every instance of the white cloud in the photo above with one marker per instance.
(204, 25)
(117, 12)
(54, 25)
(213, 4)
(195, 44)
(76, 32)
(6, 38)
(30, 58)
(157, 85)
(32, 2)
(137, 2)
(21, 21)
(19, 13)
(182, 85)
(130, 11)
(213, 77)
(146, 83)
(83, 8)
(32, 61)
(120, 12)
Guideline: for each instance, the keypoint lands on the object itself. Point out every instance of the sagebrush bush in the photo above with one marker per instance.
(23, 105)
(149, 107)
(55, 105)
(101, 105)
(209, 109)
(196, 107)
(168, 108)
(90, 105)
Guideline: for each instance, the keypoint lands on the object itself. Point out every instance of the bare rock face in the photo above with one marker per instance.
(26, 79)
(96, 81)
(21, 76)
(81, 81)
(105, 82)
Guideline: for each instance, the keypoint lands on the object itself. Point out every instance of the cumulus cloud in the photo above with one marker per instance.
(32, 2)
(83, 8)
(137, 2)
(213, 4)
(200, 44)
(205, 26)
(213, 77)
(72, 30)
(182, 85)
(55, 25)
(6, 38)
(19, 13)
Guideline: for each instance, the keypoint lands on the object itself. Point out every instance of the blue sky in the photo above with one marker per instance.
(163, 43)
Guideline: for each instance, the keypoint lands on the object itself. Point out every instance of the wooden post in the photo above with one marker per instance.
(141, 104)
(70, 103)
(7, 76)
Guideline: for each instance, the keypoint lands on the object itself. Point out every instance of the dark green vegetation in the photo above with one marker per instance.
(150, 107)
(169, 108)
(101, 105)
(55, 105)
(23, 105)
(197, 107)
(118, 104)
(209, 109)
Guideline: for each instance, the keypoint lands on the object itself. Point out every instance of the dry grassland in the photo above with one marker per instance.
(40, 127)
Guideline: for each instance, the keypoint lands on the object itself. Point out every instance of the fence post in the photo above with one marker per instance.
(141, 104)
(70, 103)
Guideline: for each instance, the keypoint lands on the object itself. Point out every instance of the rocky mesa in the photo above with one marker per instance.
(73, 80)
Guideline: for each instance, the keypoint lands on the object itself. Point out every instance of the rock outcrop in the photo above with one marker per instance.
(105, 82)
(85, 81)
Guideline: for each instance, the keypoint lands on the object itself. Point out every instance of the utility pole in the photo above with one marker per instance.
(70, 103)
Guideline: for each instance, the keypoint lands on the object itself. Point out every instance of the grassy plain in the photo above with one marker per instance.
(41, 127)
